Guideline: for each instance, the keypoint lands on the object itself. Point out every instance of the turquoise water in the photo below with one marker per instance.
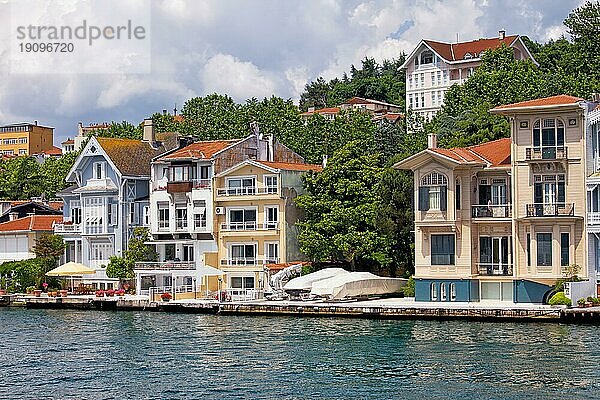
(52, 354)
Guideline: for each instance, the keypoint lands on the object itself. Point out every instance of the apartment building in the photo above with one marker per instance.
(25, 139)
(381, 111)
(434, 66)
(502, 221)
(593, 189)
(191, 191)
(255, 220)
(108, 198)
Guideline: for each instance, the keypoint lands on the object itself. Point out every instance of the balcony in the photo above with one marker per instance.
(551, 210)
(67, 228)
(491, 211)
(242, 262)
(593, 218)
(246, 191)
(165, 265)
(248, 226)
(495, 269)
(546, 153)
(179, 187)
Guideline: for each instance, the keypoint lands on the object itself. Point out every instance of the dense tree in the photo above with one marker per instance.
(137, 250)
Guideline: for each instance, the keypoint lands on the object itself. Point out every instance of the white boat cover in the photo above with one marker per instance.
(356, 284)
(305, 282)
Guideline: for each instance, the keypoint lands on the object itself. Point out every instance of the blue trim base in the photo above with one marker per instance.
(466, 290)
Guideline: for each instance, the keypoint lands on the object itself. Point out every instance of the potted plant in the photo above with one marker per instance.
(595, 301)
(100, 293)
(37, 293)
(30, 289)
(63, 292)
(120, 292)
(581, 302)
(110, 293)
(166, 296)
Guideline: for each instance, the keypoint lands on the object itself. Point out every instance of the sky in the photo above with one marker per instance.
(246, 48)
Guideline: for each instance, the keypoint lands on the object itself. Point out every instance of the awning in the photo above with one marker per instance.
(71, 269)
(209, 271)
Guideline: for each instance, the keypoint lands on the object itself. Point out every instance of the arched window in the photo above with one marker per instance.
(433, 192)
(433, 291)
(548, 139)
(427, 57)
(452, 291)
(443, 291)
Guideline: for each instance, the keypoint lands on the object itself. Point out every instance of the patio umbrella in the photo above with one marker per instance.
(71, 269)
(207, 270)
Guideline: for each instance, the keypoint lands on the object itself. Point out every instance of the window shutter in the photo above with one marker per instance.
(561, 192)
(538, 193)
(443, 198)
(423, 198)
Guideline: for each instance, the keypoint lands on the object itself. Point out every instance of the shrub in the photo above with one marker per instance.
(560, 299)
(581, 302)
(409, 288)
(596, 301)
(590, 299)
(166, 296)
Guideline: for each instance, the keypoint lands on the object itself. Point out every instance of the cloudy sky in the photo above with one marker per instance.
(250, 49)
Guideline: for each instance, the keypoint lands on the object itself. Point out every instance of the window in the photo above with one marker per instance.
(76, 211)
(131, 215)
(410, 101)
(94, 214)
(452, 291)
(432, 78)
(22, 152)
(564, 249)
(179, 173)
(457, 194)
(243, 254)
(8, 152)
(443, 291)
(432, 98)
(270, 183)
(23, 140)
(529, 249)
(433, 291)
(410, 82)
(271, 217)
(204, 172)
(99, 170)
(442, 249)
(163, 215)
(422, 100)
(241, 186)
(544, 249)
(101, 250)
(439, 78)
(548, 194)
(242, 282)
(199, 214)
(244, 218)
(494, 255)
(427, 57)
(548, 137)
(146, 215)
(188, 252)
(181, 221)
(422, 80)
(272, 252)
(112, 214)
(433, 192)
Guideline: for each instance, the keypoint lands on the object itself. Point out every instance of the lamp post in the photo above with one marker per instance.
(220, 283)
(194, 288)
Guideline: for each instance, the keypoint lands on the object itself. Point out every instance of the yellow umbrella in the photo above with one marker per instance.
(71, 269)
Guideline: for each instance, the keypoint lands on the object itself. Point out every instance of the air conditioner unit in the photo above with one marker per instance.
(220, 210)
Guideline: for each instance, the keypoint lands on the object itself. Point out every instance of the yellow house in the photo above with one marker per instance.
(255, 219)
(25, 139)
(502, 221)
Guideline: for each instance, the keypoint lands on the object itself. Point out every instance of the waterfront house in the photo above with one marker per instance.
(503, 220)
(255, 221)
(185, 219)
(108, 198)
(18, 236)
(434, 66)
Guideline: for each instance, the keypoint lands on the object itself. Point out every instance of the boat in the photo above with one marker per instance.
(356, 284)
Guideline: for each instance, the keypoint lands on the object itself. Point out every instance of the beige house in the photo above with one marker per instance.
(503, 220)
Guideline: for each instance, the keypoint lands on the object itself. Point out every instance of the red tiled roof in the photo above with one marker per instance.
(561, 99)
(495, 153)
(178, 118)
(362, 100)
(31, 223)
(292, 166)
(280, 266)
(328, 110)
(457, 51)
(200, 150)
(68, 141)
(54, 151)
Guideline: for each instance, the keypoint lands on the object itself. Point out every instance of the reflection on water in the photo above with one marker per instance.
(104, 355)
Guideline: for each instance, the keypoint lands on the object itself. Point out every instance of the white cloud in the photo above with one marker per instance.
(224, 73)
(127, 89)
(555, 32)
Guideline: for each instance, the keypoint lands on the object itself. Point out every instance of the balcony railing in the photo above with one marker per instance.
(163, 225)
(495, 269)
(181, 224)
(67, 228)
(246, 191)
(179, 187)
(491, 211)
(551, 210)
(242, 261)
(546, 153)
(248, 226)
(594, 218)
(165, 265)
(201, 183)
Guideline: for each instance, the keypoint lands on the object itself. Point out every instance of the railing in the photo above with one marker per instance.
(199, 224)
(551, 210)
(163, 225)
(179, 187)
(495, 269)
(165, 265)
(246, 191)
(155, 291)
(67, 228)
(181, 224)
(546, 153)
(96, 264)
(201, 183)
(242, 261)
(594, 218)
(243, 294)
(248, 226)
(491, 211)
(95, 229)
(271, 260)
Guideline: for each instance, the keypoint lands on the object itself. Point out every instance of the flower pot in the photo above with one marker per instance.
(2, 292)
(166, 299)
(63, 293)
(37, 293)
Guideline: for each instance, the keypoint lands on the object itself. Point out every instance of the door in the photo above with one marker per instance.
(500, 256)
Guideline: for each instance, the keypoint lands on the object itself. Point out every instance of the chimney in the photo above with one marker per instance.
(324, 160)
(501, 34)
(596, 97)
(12, 216)
(271, 147)
(164, 111)
(149, 133)
(432, 141)
(35, 122)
